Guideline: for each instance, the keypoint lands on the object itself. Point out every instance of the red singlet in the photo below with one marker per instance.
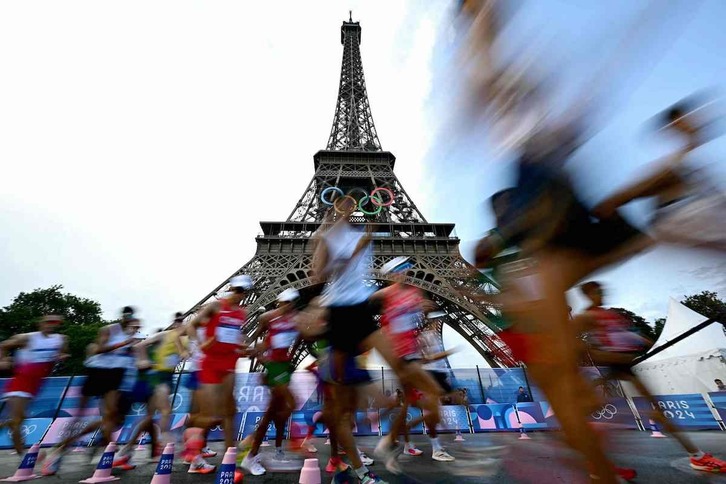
(612, 332)
(401, 313)
(281, 335)
(225, 326)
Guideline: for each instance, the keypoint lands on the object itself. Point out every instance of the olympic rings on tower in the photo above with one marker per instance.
(374, 198)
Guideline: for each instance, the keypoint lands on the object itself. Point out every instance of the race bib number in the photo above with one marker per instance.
(284, 339)
(404, 323)
(228, 334)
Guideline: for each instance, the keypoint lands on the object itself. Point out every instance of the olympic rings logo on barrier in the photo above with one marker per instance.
(25, 430)
(607, 412)
(374, 198)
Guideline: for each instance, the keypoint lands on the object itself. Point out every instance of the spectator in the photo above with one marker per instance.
(399, 396)
(719, 385)
(523, 396)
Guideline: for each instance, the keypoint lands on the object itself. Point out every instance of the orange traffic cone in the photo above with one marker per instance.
(25, 470)
(103, 469)
(225, 474)
(310, 473)
(163, 468)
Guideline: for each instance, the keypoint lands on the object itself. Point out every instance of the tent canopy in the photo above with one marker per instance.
(680, 319)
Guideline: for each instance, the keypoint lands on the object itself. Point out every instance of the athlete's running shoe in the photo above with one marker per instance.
(345, 476)
(308, 446)
(335, 463)
(52, 463)
(208, 453)
(201, 466)
(708, 463)
(367, 461)
(442, 456)
(412, 450)
(238, 476)
(123, 462)
(371, 478)
(626, 473)
(253, 464)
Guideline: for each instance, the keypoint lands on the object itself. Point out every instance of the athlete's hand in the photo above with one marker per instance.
(184, 355)
(63, 356)
(6, 363)
(143, 364)
(604, 210)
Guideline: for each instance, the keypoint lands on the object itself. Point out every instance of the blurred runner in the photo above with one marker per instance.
(691, 208)
(109, 359)
(342, 255)
(169, 350)
(36, 354)
(613, 344)
(196, 334)
(276, 356)
(403, 308)
(222, 347)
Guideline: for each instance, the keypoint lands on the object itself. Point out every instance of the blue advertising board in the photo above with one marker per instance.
(32, 431)
(685, 410)
(493, 417)
(412, 414)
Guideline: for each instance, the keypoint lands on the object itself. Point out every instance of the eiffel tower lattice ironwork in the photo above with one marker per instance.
(354, 163)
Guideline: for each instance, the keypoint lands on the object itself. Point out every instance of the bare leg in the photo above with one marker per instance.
(230, 408)
(17, 416)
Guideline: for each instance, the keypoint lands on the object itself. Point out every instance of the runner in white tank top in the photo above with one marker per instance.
(35, 356)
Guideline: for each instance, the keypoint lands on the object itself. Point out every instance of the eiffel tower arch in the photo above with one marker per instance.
(353, 164)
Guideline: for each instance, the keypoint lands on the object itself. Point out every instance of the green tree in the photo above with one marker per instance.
(639, 323)
(658, 323)
(82, 320)
(708, 304)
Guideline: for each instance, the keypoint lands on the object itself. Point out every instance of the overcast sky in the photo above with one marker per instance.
(142, 141)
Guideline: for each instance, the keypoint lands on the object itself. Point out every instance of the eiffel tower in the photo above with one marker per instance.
(353, 164)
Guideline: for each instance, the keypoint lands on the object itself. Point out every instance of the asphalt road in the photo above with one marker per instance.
(540, 460)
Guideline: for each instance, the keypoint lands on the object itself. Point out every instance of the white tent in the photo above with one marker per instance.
(689, 366)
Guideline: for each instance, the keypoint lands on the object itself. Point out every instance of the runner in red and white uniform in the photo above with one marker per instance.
(614, 345)
(196, 331)
(275, 354)
(402, 314)
(35, 356)
(222, 346)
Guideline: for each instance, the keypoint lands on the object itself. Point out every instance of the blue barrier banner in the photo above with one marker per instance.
(412, 414)
(530, 416)
(453, 418)
(217, 433)
(493, 417)
(719, 401)
(549, 415)
(32, 431)
(49, 397)
(64, 427)
(366, 423)
(687, 410)
(300, 422)
(615, 412)
(70, 406)
(252, 421)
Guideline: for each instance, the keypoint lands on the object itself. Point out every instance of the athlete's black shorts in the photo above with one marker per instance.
(349, 326)
(442, 378)
(100, 381)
